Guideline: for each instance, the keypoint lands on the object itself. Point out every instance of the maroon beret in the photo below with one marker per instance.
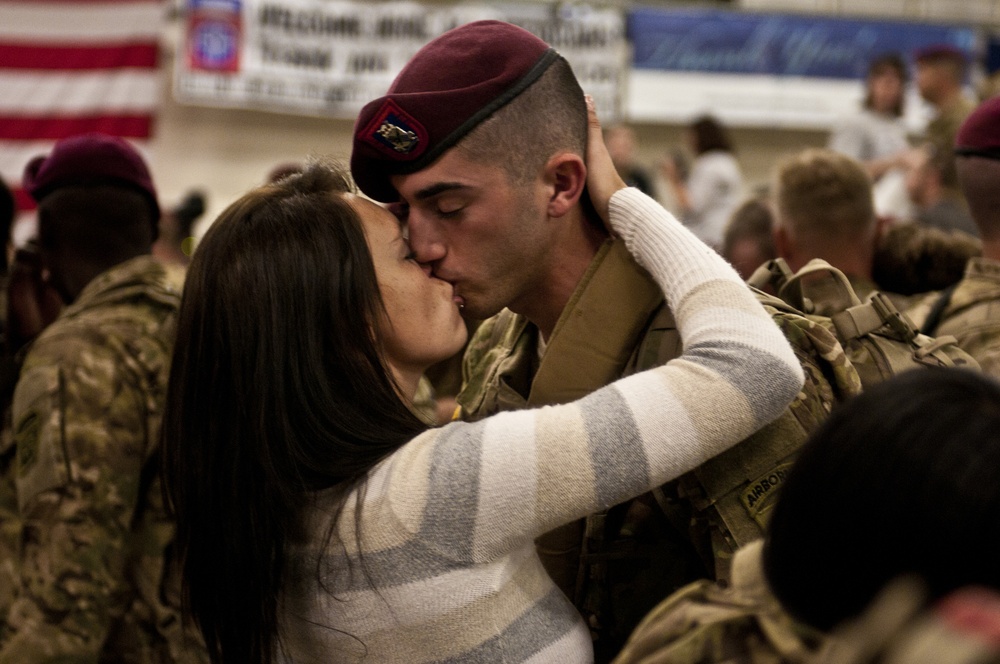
(90, 159)
(451, 85)
(979, 135)
(939, 52)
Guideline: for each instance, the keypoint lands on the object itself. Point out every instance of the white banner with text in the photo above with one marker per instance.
(330, 57)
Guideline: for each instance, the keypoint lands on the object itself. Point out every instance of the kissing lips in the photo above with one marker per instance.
(455, 297)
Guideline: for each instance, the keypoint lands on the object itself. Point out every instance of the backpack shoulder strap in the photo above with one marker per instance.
(773, 273)
(876, 313)
(937, 310)
(791, 286)
(794, 289)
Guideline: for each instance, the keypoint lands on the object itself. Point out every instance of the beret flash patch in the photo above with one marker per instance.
(396, 133)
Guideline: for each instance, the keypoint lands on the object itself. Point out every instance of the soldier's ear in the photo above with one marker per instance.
(565, 176)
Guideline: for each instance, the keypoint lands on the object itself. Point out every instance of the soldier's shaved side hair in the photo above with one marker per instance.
(547, 118)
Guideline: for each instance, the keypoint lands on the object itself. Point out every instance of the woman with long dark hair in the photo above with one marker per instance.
(318, 518)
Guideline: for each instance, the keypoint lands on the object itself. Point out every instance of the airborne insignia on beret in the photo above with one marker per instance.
(395, 133)
(395, 136)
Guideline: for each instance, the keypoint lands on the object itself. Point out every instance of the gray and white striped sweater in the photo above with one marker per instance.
(448, 570)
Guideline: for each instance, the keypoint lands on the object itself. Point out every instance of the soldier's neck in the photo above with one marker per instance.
(571, 255)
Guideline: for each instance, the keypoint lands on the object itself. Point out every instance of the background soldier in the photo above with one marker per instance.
(970, 310)
(95, 576)
(940, 75)
(824, 209)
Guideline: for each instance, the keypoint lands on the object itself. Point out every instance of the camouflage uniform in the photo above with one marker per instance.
(745, 623)
(898, 626)
(704, 622)
(943, 128)
(10, 523)
(827, 303)
(972, 314)
(96, 579)
(616, 323)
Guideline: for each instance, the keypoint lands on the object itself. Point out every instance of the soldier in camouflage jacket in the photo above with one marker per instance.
(970, 312)
(94, 577)
(971, 309)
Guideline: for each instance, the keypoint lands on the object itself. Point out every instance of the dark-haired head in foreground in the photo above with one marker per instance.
(902, 479)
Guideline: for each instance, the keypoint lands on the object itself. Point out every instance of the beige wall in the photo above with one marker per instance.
(225, 152)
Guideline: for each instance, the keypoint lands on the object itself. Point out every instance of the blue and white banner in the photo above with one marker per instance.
(777, 45)
(766, 69)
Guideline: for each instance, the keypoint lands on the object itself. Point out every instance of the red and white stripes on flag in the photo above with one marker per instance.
(73, 67)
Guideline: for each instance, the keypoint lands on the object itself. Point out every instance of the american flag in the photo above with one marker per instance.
(71, 67)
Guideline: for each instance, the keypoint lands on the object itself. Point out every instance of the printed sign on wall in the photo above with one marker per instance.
(331, 57)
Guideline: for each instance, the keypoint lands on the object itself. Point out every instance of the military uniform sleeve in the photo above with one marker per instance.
(81, 440)
(10, 522)
(475, 369)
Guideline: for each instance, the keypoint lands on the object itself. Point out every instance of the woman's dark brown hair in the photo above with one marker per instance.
(887, 63)
(709, 134)
(277, 389)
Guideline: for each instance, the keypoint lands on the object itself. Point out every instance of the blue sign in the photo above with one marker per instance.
(992, 60)
(777, 45)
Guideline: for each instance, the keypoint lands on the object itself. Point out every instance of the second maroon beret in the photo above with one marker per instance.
(90, 159)
(979, 135)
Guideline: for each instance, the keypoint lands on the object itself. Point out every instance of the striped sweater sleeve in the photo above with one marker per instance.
(478, 490)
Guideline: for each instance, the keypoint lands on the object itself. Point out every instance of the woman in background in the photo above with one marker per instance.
(876, 136)
(713, 189)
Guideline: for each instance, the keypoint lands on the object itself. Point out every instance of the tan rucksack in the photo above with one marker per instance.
(728, 499)
(879, 340)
